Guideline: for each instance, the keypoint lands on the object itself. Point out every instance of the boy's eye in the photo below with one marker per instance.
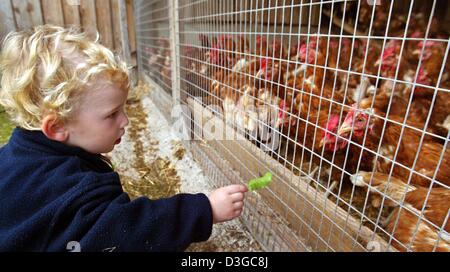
(112, 114)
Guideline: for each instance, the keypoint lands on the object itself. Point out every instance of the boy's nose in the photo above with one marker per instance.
(125, 120)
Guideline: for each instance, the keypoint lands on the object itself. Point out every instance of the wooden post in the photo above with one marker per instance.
(175, 54)
(27, 13)
(121, 7)
(71, 13)
(88, 18)
(131, 26)
(53, 12)
(104, 23)
(116, 25)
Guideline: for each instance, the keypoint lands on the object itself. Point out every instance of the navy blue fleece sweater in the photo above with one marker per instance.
(52, 194)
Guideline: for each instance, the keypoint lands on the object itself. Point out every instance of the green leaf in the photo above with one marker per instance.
(259, 183)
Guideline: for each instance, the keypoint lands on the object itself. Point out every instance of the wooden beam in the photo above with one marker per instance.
(27, 13)
(71, 13)
(116, 26)
(53, 12)
(7, 23)
(88, 18)
(131, 26)
(125, 38)
(104, 23)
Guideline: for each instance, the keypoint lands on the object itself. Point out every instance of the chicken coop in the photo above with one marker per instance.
(346, 103)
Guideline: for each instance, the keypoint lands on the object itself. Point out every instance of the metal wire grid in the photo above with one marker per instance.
(153, 41)
(260, 18)
(252, 215)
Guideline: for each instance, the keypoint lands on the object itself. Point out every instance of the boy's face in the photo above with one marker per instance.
(100, 120)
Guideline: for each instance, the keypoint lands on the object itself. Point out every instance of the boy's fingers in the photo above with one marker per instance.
(237, 213)
(237, 197)
(238, 205)
(236, 188)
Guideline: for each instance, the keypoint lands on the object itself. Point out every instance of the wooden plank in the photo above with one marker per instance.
(116, 26)
(124, 47)
(27, 13)
(104, 22)
(53, 12)
(7, 23)
(131, 25)
(88, 18)
(312, 216)
(71, 13)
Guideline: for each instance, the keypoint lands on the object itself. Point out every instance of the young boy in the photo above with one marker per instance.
(67, 95)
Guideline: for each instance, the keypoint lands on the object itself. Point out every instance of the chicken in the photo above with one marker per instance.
(370, 51)
(314, 136)
(337, 48)
(380, 16)
(227, 84)
(310, 104)
(435, 205)
(195, 68)
(308, 77)
(246, 115)
(226, 97)
(413, 234)
(391, 61)
(380, 184)
(418, 109)
(431, 64)
(222, 53)
(426, 161)
(418, 24)
(243, 59)
(243, 46)
(385, 96)
(261, 48)
(271, 113)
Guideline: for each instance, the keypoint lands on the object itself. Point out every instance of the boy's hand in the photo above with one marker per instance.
(227, 202)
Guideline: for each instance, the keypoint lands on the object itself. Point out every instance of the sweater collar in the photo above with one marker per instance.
(36, 140)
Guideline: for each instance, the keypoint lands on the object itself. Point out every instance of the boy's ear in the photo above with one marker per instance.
(54, 129)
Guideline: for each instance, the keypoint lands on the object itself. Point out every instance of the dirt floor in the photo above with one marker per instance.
(152, 161)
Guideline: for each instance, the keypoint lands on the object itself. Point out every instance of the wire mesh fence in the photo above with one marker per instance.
(154, 41)
(347, 103)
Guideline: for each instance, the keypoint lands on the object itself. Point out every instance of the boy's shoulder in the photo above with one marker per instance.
(45, 163)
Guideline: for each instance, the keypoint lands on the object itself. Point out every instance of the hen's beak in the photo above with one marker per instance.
(344, 129)
(416, 52)
(322, 142)
(378, 62)
(325, 141)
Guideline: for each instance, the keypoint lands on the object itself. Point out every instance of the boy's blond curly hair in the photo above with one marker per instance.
(47, 69)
